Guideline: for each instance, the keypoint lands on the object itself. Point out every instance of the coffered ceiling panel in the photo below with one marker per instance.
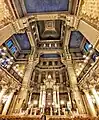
(35, 6)
(75, 39)
(23, 41)
(49, 30)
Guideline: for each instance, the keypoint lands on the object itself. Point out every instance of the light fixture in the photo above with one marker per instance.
(55, 45)
(29, 103)
(49, 76)
(49, 45)
(11, 63)
(62, 102)
(89, 45)
(4, 48)
(87, 58)
(49, 103)
(17, 65)
(97, 57)
(49, 94)
(11, 58)
(91, 51)
(21, 75)
(44, 45)
(85, 61)
(80, 64)
(53, 103)
(84, 56)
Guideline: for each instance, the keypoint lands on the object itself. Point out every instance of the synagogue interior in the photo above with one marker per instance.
(49, 57)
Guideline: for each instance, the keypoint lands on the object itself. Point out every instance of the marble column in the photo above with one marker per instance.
(73, 84)
(39, 77)
(44, 98)
(61, 78)
(33, 78)
(8, 102)
(2, 93)
(54, 77)
(54, 96)
(58, 100)
(90, 103)
(95, 96)
(51, 112)
(30, 98)
(31, 110)
(26, 81)
(40, 98)
(67, 37)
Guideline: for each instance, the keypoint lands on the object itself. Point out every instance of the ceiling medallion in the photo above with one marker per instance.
(49, 25)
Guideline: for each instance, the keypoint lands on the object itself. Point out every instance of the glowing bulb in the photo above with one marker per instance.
(49, 76)
(62, 102)
(11, 63)
(85, 61)
(49, 103)
(49, 45)
(90, 46)
(44, 45)
(55, 45)
(4, 48)
(21, 75)
(11, 58)
(97, 57)
(49, 93)
(17, 65)
(87, 58)
(91, 51)
(84, 56)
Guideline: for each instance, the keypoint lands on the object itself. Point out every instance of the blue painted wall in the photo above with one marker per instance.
(34, 6)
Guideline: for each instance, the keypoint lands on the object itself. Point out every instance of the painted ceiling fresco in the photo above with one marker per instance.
(75, 39)
(35, 6)
(23, 41)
